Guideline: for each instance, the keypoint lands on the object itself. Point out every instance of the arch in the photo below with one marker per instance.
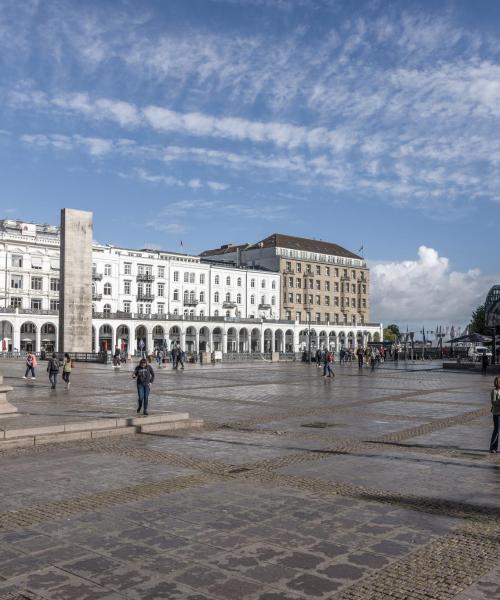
(28, 337)
(105, 337)
(359, 339)
(255, 340)
(190, 339)
(244, 340)
(279, 341)
(268, 340)
(204, 339)
(323, 340)
(48, 334)
(6, 336)
(123, 337)
(289, 347)
(376, 337)
(350, 339)
(217, 338)
(332, 340)
(158, 336)
(141, 338)
(174, 335)
(342, 339)
(232, 340)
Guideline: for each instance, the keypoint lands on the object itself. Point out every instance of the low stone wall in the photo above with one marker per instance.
(470, 366)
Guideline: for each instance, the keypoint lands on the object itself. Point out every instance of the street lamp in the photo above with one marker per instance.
(309, 334)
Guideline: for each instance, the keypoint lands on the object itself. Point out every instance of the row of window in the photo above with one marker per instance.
(322, 270)
(310, 299)
(316, 284)
(17, 262)
(35, 303)
(145, 309)
(339, 319)
(35, 283)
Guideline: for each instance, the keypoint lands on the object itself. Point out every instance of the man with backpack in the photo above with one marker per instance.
(53, 370)
(145, 376)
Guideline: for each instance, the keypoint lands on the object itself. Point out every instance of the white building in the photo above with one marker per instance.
(150, 297)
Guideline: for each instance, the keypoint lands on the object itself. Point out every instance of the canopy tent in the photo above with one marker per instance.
(474, 338)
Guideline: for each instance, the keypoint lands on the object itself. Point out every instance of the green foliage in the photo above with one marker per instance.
(391, 333)
(478, 321)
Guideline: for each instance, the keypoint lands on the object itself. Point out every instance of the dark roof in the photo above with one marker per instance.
(225, 249)
(298, 243)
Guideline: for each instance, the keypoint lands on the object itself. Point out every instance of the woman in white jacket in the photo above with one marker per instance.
(495, 409)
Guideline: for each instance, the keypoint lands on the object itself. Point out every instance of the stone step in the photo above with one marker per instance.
(98, 428)
(169, 426)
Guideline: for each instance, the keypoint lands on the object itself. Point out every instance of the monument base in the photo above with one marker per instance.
(6, 408)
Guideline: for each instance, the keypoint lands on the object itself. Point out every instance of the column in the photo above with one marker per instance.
(196, 341)
(237, 341)
(296, 340)
(224, 341)
(272, 340)
(38, 338)
(96, 339)
(149, 341)
(16, 337)
(183, 340)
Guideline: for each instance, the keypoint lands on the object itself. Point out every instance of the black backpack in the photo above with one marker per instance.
(54, 366)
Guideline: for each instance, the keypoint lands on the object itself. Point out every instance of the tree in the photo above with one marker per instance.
(391, 333)
(478, 321)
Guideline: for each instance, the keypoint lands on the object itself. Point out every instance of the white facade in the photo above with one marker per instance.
(147, 296)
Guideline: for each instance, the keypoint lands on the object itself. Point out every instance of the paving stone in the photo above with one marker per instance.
(396, 499)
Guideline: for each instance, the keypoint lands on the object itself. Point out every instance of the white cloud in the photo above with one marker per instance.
(426, 290)
(170, 228)
(97, 147)
(217, 186)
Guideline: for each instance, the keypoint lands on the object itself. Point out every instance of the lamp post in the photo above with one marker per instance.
(494, 340)
(309, 334)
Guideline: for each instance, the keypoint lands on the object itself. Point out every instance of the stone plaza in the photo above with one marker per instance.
(366, 486)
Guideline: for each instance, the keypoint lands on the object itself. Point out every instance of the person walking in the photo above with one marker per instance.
(145, 376)
(373, 359)
(180, 357)
(67, 366)
(328, 365)
(53, 370)
(31, 363)
(484, 363)
(361, 354)
(495, 410)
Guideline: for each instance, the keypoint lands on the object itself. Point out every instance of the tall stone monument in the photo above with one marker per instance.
(75, 304)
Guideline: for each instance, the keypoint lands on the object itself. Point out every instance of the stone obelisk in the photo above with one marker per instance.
(75, 296)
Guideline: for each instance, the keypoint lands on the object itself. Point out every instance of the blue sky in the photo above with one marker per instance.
(363, 123)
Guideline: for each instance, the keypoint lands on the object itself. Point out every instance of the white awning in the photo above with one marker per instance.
(37, 261)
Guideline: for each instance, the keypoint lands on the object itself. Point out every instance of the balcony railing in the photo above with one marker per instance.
(264, 306)
(145, 277)
(190, 302)
(145, 297)
(96, 276)
(97, 297)
(28, 311)
(229, 304)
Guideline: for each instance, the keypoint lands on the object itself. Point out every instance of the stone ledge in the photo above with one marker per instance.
(98, 428)
(169, 426)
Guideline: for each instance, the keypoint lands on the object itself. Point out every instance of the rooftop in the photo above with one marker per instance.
(280, 240)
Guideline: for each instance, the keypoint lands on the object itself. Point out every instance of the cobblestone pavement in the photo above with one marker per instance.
(369, 486)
